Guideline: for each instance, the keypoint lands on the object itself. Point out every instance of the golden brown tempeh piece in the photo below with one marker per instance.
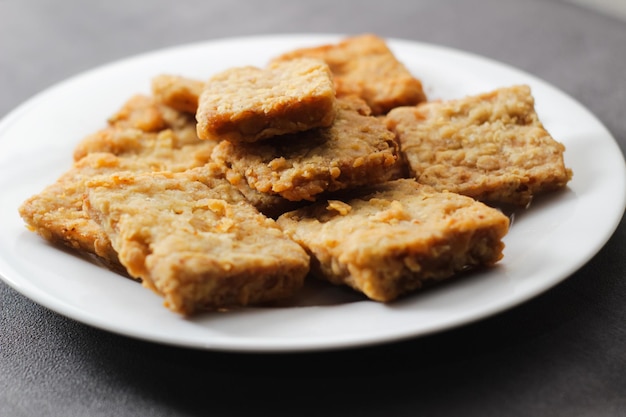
(491, 146)
(396, 237)
(357, 149)
(194, 239)
(247, 104)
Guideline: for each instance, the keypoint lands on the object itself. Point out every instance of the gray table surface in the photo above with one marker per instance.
(560, 354)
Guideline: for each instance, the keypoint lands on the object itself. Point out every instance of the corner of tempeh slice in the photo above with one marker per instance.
(56, 212)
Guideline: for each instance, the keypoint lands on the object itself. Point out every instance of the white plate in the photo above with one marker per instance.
(546, 243)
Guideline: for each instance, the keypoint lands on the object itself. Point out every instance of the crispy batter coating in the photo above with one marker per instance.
(194, 239)
(142, 136)
(490, 146)
(177, 92)
(357, 149)
(364, 65)
(56, 213)
(247, 104)
(272, 205)
(134, 129)
(396, 237)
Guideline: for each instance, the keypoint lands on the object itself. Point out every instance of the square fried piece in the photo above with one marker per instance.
(364, 65)
(247, 104)
(357, 149)
(396, 237)
(194, 239)
(491, 146)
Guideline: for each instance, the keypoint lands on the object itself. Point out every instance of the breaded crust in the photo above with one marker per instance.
(133, 130)
(142, 136)
(56, 213)
(153, 134)
(490, 146)
(396, 236)
(177, 92)
(365, 66)
(194, 239)
(247, 104)
(271, 205)
(159, 151)
(357, 149)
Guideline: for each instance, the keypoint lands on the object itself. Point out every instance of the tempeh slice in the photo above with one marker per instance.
(193, 238)
(396, 237)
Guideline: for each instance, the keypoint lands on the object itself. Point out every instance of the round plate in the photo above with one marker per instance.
(543, 247)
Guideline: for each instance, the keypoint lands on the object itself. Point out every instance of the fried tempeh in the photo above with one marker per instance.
(248, 104)
(178, 92)
(194, 239)
(364, 65)
(491, 146)
(396, 236)
(357, 149)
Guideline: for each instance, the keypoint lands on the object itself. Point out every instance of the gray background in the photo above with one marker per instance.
(561, 354)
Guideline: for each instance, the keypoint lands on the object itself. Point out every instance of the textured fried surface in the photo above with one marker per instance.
(357, 149)
(56, 213)
(272, 205)
(177, 92)
(194, 239)
(134, 130)
(397, 236)
(142, 136)
(247, 104)
(364, 65)
(490, 146)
